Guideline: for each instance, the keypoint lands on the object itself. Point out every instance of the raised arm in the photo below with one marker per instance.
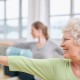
(4, 60)
(8, 43)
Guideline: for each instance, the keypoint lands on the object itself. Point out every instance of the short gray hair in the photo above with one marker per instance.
(73, 27)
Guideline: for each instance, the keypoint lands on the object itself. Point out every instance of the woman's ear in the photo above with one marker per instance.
(40, 32)
(78, 39)
(78, 42)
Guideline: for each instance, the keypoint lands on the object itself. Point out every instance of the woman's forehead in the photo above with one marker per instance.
(66, 34)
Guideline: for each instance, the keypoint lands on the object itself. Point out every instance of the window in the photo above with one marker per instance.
(60, 13)
(13, 19)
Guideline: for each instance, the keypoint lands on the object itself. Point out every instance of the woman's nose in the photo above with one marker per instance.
(62, 44)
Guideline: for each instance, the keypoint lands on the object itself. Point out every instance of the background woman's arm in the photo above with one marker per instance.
(8, 43)
(4, 60)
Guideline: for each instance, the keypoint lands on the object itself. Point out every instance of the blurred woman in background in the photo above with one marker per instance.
(44, 47)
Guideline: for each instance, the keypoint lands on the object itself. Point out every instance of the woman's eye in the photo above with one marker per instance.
(65, 39)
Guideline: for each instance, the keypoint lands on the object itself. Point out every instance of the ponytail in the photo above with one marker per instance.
(45, 32)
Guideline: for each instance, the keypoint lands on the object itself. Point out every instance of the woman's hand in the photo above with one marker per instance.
(4, 60)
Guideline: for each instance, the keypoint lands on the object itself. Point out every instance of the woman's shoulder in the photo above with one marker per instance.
(31, 43)
(52, 42)
(60, 61)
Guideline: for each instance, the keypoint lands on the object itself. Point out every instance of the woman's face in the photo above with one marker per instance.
(71, 49)
(35, 32)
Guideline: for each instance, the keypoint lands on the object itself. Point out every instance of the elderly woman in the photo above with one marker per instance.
(53, 69)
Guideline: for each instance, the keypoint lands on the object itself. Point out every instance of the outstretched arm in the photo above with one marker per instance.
(41, 68)
(44, 68)
(8, 43)
(4, 60)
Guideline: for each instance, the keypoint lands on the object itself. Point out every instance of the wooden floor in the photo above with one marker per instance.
(4, 77)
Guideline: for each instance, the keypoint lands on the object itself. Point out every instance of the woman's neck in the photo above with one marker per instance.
(76, 64)
(76, 69)
(42, 41)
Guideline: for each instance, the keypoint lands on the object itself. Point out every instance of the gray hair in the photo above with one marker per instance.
(73, 27)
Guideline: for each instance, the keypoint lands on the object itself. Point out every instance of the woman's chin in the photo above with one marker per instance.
(66, 56)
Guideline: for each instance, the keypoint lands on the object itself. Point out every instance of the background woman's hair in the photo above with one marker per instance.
(39, 25)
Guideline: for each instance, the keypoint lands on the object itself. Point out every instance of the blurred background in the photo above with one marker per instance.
(16, 17)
